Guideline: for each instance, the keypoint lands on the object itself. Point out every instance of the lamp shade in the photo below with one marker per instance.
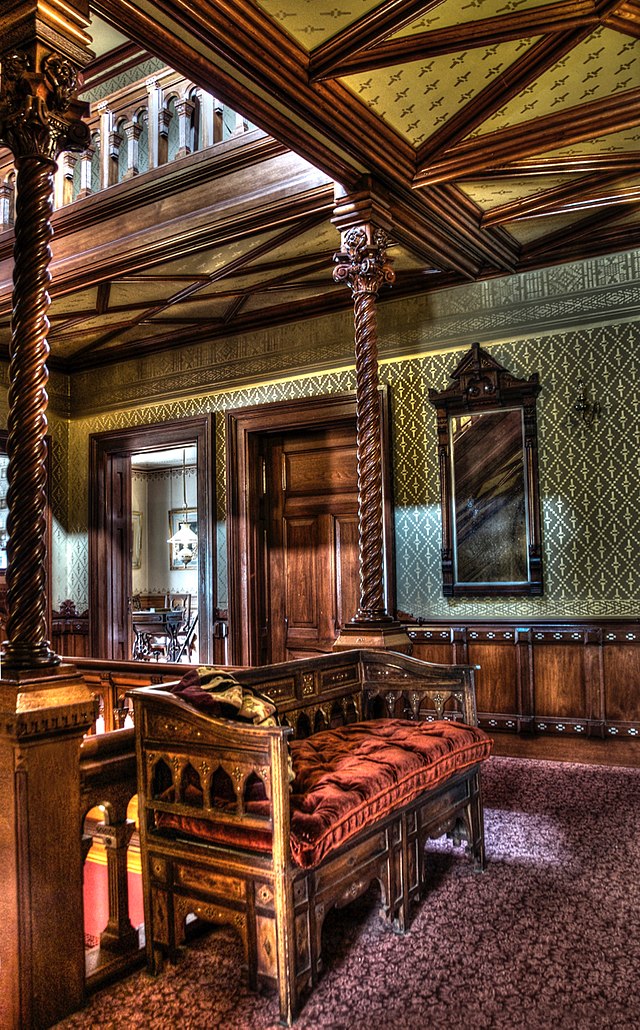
(184, 537)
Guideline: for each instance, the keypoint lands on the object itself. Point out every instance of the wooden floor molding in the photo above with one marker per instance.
(568, 749)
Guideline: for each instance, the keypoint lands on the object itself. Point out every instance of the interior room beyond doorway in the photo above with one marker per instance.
(164, 554)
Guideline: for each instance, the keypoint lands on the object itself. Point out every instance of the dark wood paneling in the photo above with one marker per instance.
(497, 678)
(559, 681)
(621, 678)
(577, 678)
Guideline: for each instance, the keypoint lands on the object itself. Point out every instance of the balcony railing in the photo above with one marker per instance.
(150, 122)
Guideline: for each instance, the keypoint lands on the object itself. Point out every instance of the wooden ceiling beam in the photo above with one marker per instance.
(573, 125)
(486, 32)
(581, 230)
(570, 196)
(625, 18)
(627, 161)
(588, 243)
(365, 33)
(235, 307)
(461, 214)
(538, 59)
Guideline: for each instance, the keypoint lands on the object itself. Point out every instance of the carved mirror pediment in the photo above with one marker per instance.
(488, 465)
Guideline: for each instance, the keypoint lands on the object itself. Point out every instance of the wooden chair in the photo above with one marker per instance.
(186, 634)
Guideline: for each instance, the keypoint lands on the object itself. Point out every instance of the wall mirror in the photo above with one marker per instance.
(488, 464)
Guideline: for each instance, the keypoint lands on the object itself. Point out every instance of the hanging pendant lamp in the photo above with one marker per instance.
(184, 538)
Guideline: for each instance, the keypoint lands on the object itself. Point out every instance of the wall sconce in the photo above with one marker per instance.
(586, 410)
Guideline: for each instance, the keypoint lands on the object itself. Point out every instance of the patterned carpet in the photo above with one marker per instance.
(546, 938)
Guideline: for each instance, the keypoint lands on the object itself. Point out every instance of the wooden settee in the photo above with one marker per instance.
(262, 870)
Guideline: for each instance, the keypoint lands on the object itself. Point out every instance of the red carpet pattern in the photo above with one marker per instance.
(546, 938)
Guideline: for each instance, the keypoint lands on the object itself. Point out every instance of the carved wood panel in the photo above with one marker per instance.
(573, 678)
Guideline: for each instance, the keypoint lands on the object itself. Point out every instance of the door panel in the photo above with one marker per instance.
(312, 538)
(301, 541)
(119, 551)
(347, 571)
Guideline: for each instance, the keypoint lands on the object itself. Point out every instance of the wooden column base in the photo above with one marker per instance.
(380, 635)
(43, 717)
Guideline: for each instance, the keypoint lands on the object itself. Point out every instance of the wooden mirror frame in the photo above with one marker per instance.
(483, 386)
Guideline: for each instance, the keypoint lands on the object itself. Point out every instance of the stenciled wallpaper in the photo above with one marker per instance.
(589, 482)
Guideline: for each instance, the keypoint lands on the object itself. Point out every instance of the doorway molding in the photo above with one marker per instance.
(110, 542)
(245, 428)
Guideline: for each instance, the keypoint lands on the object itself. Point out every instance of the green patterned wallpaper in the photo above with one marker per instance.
(589, 482)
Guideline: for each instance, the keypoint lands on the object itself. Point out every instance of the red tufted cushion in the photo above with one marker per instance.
(348, 777)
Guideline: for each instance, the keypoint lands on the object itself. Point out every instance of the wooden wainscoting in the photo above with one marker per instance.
(577, 678)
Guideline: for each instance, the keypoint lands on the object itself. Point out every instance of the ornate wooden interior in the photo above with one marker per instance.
(463, 144)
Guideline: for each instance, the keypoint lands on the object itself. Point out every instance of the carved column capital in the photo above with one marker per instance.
(362, 263)
(39, 117)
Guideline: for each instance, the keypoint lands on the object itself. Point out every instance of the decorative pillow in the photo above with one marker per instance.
(218, 693)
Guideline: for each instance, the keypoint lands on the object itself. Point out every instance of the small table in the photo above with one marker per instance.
(163, 622)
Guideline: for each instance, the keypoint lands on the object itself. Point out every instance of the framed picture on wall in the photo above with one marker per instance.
(176, 517)
(136, 539)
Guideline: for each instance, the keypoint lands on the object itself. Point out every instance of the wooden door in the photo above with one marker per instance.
(293, 565)
(311, 539)
(118, 564)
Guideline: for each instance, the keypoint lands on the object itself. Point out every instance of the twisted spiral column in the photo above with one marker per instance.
(369, 451)
(362, 265)
(27, 646)
(39, 119)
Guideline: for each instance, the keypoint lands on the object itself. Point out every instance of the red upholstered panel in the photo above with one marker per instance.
(348, 777)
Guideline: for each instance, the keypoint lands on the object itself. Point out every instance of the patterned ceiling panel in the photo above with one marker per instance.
(201, 307)
(72, 302)
(630, 219)
(207, 261)
(488, 194)
(455, 13)
(606, 63)
(257, 301)
(534, 228)
(418, 98)
(266, 275)
(67, 342)
(311, 23)
(141, 288)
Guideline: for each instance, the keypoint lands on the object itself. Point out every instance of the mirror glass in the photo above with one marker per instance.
(489, 497)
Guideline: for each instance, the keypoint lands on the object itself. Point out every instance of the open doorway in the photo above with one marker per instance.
(164, 554)
(144, 483)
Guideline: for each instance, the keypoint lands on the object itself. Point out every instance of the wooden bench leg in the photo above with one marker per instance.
(475, 823)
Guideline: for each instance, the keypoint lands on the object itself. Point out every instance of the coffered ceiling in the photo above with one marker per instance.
(505, 133)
